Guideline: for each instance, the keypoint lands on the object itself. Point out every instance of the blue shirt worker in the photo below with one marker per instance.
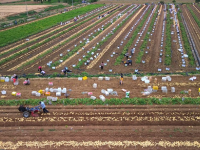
(43, 107)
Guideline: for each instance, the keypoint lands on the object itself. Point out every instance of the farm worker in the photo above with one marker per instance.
(127, 54)
(42, 72)
(14, 78)
(39, 68)
(43, 107)
(65, 70)
(132, 51)
(26, 82)
(121, 79)
(102, 64)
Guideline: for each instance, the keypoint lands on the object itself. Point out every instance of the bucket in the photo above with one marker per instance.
(80, 78)
(53, 67)
(93, 97)
(38, 94)
(14, 93)
(127, 94)
(6, 79)
(94, 85)
(100, 78)
(64, 90)
(54, 99)
(102, 98)
(49, 98)
(134, 77)
(51, 89)
(110, 90)
(59, 89)
(58, 93)
(2, 79)
(103, 91)
(172, 89)
(107, 78)
(34, 92)
(90, 93)
(106, 93)
(50, 83)
(18, 94)
(47, 90)
(3, 92)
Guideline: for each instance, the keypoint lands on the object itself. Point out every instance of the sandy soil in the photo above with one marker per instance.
(8, 1)
(180, 83)
(14, 9)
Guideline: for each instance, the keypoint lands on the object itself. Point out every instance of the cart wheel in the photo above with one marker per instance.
(26, 114)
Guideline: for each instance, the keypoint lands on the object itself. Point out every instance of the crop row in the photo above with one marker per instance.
(145, 40)
(98, 144)
(194, 16)
(50, 33)
(55, 47)
(168, 44)
(134, 35)
(15, 34)
(111, 101)
(104, 39)
(186, 41)
(81, 44)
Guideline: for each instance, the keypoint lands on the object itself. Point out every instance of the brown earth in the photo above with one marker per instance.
(102, 127)
(181, 83)
(13, 9)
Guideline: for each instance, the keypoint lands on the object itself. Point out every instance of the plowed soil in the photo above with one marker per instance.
(102, 127)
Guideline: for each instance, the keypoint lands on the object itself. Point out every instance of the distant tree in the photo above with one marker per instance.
(49, 0)
(162, 2)
(58, 1)
(174, 1)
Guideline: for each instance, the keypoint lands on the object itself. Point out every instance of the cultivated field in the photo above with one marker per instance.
(6, 10)
(157, 38)
(145, 29)
(102, 127)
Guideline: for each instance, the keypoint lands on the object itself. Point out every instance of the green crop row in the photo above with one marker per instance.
(129, 43)
(43, 42)
(194, 16)
(80, 63)
(146, 38)
(186, 43)
(104, 40)
(79, 46)
(168, 44)
(18, 33)
(111, 101)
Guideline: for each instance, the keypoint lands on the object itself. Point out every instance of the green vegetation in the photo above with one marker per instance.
(112, 101)
(168, 45)
(56, 47)
(21, 15)
(18, 33)
(134, 35)
(43, 42)
(81, 45)
(54, 7)
(193, 15)
(186, 43)
(146, 38)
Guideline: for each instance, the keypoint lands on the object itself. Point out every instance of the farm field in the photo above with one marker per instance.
(145, 29)
(15, 9)
(148, 112)
(102, 127)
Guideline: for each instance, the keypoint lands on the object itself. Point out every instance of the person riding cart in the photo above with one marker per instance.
(128, 62)
(29, 111)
